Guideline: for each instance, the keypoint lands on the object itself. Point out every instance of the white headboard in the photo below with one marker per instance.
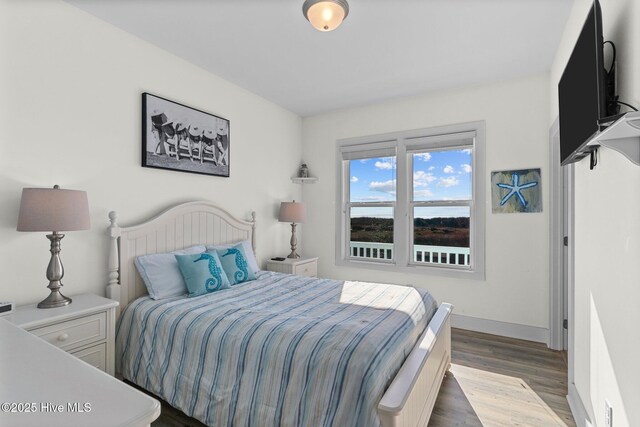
(179, 227)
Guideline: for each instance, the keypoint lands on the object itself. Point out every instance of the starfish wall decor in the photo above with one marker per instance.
(522, 191)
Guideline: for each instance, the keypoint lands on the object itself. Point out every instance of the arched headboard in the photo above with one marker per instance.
(178, 227)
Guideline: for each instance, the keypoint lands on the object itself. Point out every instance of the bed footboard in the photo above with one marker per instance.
(409, 400)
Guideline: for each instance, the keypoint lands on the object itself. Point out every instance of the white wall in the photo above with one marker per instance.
(607, 239)
(516, 285)
(70, 110)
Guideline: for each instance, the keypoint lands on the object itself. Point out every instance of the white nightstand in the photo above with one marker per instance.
(85, 328)
(304, 266)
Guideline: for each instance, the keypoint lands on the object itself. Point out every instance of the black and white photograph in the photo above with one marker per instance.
(182, 138)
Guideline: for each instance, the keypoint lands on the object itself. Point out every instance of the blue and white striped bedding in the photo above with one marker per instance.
(282, 350)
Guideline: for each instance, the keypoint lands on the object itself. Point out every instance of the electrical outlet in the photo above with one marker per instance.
(608, 414)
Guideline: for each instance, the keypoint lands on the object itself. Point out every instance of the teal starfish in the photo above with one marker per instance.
(516, 189)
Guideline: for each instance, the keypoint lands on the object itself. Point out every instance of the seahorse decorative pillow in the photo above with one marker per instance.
(202, 273)
(234, 262)
(248, 251)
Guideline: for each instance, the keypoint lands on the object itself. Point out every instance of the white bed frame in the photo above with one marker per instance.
(409, 399)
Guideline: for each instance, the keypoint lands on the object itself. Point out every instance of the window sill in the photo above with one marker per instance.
(457, 273)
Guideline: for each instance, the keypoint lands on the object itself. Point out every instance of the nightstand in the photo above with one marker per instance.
(300, 266)
(85, 328)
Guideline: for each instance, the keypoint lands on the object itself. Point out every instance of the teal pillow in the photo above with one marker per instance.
(202, 273)
(234, 263)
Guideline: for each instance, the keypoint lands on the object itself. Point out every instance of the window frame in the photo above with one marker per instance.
(404, 144)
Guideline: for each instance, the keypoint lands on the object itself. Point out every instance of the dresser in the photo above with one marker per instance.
(303, 266)
(45, 386)
(85, 328)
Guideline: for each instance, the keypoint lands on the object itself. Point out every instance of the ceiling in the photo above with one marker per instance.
(385, 49)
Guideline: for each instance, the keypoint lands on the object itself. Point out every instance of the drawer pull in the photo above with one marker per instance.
(63, 337)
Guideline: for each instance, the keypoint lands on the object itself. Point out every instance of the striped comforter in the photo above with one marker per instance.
(282, 350)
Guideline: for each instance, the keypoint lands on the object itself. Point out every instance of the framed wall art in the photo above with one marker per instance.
(181, 138)
(516, 191)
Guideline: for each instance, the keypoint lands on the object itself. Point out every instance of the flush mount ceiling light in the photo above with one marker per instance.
(325, 15)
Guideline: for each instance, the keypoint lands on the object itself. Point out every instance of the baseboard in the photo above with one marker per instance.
(505, 329)
(577, 408)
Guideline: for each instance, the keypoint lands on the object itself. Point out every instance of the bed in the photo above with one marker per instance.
(280, 350)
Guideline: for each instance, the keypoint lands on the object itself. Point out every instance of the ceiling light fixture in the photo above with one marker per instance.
(325, 15)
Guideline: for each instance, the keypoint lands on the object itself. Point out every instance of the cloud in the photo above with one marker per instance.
(466, 151)
(448, 169)
(364, 160)
(386, 163)
(425, 157)
(422, 194)
(354, 179)
(422, 178)
(431, 168)
(384, 186)
(466, 168)
(448, 182)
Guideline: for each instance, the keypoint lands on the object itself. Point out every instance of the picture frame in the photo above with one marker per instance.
(516, 191)
(181, 138)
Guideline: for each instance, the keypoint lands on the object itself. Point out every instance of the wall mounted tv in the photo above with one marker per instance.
(581, 91)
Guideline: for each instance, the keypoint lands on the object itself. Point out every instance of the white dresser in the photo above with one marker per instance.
(303, 266)
(44, 386)
(85, 328)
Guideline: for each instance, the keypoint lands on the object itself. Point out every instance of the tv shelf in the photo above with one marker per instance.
(623, 136)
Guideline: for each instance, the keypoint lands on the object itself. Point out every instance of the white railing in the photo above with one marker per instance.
(421, 253)
(371, 250)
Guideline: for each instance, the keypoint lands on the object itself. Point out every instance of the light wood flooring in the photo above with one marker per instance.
(497, 381)
(493, 381)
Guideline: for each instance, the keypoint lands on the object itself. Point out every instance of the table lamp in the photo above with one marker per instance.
(293, 212)
(54, 210)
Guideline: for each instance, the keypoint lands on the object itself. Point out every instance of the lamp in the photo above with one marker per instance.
(325, 15)
(293, 212)
(55, 210)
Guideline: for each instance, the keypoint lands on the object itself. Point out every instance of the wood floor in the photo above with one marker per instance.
(497, 381)
(493, 381)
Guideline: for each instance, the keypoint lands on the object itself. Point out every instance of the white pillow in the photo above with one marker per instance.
(248, 250)
(161, 274)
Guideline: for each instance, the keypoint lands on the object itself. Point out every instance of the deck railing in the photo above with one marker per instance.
(422, 254)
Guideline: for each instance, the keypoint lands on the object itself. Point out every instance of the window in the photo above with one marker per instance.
(411, 201)
(372, 198)
(440, 206)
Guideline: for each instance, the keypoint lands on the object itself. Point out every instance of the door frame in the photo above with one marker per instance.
(559, 264)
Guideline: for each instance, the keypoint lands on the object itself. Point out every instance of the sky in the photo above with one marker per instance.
(437, 175)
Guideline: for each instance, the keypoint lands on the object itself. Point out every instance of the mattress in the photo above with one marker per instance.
(282, 350)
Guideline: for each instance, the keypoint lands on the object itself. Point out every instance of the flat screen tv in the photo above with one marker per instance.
(581, 91)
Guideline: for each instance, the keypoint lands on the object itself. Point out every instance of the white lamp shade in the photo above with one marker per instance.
(325, 15)
(293, 212)
(53, 209)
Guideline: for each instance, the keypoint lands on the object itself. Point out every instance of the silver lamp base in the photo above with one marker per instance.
(294, 242)
(293, 255)
(55, 272)
(55, 299)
